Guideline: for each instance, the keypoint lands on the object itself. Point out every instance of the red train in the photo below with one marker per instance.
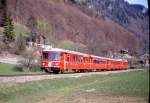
(59, 60)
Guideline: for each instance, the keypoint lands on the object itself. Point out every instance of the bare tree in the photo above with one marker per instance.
(30, 59)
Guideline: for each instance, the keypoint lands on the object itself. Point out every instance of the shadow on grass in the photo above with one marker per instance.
(18, 68)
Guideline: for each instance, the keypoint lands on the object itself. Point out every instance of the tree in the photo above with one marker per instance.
(9, 34)
(21, 44)
(32, 24)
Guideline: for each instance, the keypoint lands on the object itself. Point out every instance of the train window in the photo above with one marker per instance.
(102, 62)
(78, 59)
(45, 55)
(74, 58)
(87, 60)
(84, 59)
(62, 56)
(81, 59)
(68, 57)
(96, 61)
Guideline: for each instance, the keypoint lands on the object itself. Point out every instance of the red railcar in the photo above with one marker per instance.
(58, 60)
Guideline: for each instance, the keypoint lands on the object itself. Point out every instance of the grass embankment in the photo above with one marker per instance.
(73, 90)
(10, 69)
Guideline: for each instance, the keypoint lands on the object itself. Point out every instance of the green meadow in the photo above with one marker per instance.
(133, 85)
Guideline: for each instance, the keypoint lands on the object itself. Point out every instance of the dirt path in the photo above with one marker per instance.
(22, 79)
(10, 60)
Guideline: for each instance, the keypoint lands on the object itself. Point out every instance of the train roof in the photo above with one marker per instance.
(105, 58)
(99, 57)
(79, 53)
(67, 51)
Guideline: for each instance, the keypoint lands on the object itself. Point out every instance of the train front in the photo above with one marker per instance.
(50, 61)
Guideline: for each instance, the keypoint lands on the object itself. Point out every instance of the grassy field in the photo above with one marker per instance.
(10, 69)
(131, 87)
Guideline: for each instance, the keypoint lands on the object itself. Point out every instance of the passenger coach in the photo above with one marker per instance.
(59, 60)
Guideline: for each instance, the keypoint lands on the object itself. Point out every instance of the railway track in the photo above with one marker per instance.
(19, 75)
(35, 77)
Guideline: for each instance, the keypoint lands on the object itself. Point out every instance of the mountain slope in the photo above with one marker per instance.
(65, 21)
(135, 18)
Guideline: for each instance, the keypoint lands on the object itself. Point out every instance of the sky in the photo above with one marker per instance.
(142, 2)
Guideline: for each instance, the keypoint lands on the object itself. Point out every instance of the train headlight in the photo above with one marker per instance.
(43, 64)
(49, 64)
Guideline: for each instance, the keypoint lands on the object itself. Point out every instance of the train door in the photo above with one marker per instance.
(90, 62)
(87, 63)
(63, 62)
(67, 61)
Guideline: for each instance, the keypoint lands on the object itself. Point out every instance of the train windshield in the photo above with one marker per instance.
(51, 56)
(45, 55)
(54, 56)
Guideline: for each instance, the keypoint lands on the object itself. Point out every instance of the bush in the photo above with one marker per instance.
(134, 63)
(31, 59)
(20, 44)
